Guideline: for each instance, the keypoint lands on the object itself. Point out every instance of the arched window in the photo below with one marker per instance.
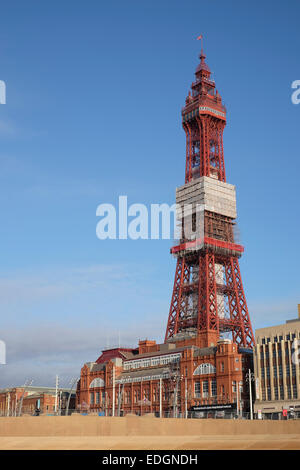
(97, 383)
(206, 368)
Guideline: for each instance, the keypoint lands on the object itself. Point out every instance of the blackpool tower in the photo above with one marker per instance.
(208, 299)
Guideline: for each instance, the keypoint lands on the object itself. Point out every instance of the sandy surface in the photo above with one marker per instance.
(151, 443)
(98, 433)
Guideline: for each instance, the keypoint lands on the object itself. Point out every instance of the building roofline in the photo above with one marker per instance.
(160, 353)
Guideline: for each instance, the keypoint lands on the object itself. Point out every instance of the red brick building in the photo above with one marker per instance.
(28, 399)
(170, 379)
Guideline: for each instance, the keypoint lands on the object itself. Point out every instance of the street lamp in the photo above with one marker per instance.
(185, 398)
(72, 382)
(249, 379)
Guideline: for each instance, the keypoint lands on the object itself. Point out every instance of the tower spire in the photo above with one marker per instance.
(202, 56)
(200, 38)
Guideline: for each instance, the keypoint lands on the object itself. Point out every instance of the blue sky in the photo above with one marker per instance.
(94, 94)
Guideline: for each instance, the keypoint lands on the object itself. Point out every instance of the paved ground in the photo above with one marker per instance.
(145, 433)
(291, 442)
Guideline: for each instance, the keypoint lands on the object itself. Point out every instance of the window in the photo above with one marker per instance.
(205, 388)
(281, 392)
(197, 390)
(97, 398)
(222, 367)
(234, 386)
(91, 398)
(279, 351)
(98, 382)
(295, 390)
(267, 352)
(206, 368)
(213, 387)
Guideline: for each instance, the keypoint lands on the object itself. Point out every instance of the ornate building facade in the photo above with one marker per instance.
(167, 379)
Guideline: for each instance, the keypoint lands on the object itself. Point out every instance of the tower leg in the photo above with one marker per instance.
(175, 301)
(179, 302)
(207, 303)
(242, 330)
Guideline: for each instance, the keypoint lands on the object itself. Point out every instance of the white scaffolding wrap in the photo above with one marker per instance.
(211, 194)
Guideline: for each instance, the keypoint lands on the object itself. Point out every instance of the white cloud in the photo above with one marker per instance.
(40, 352)
(56, 320)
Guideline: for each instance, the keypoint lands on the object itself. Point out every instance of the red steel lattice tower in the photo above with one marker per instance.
(208, 299)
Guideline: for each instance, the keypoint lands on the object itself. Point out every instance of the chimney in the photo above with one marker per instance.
(299, 311)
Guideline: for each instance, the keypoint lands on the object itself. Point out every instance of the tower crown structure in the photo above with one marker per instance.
(208, 299)
(204, 119)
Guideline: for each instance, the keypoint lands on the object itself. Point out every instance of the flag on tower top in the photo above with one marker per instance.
(200, 37)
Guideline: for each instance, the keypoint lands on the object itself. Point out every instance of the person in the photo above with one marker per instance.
(37, 412)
